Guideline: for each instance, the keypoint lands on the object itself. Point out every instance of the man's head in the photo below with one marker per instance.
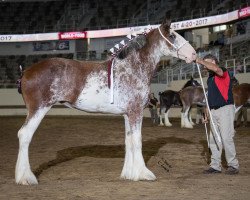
(211, 58)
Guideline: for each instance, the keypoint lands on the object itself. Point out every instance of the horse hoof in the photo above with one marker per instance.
(144, 174)
(27, 179)
(188, 126)
(168, 125)
(161, 125)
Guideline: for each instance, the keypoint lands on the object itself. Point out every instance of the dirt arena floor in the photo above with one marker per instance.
(82, 158)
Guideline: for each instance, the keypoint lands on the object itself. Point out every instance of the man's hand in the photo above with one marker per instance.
(199, 60)
(205, 117)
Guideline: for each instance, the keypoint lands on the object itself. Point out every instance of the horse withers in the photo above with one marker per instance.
(85, 85)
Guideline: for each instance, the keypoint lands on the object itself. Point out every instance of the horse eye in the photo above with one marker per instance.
(172, 36)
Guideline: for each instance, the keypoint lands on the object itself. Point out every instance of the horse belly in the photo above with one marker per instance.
(94, 99)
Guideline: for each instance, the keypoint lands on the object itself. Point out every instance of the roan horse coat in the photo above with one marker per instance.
(84, 85)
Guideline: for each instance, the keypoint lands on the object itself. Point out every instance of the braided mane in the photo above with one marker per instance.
(134, 45)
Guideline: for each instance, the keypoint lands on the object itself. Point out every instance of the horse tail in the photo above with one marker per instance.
(18, 82)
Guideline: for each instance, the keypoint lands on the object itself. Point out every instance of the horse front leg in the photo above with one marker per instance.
(190, 118)
(134, 166)
(166, 119)
(160, 116)
(23, 173)
(186, 121)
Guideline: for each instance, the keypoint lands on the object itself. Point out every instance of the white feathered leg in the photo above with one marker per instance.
(187, 124)
(190, 118)
(182, 120)
(23, 173)
(167, 123)
(161, 123)
(134, 166)
(128, 162)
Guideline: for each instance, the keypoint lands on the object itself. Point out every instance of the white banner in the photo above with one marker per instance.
(205, 21)
(29, 37)
(193, 23)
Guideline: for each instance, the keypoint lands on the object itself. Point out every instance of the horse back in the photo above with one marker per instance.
(169, 98)
(56, 79)
(192, 95)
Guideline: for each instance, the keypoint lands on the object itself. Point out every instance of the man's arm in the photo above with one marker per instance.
(211, 66)
(149, 103)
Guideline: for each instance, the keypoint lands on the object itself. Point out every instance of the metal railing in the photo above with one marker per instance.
(185, 71)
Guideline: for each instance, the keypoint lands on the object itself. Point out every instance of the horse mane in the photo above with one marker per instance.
(134, 45)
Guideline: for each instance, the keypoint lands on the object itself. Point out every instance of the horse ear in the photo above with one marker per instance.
(166, 24)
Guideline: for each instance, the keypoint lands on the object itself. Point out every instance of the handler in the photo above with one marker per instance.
(220, 100)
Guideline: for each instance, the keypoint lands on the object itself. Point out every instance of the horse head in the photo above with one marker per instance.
(191, 82)
(234, 81)
(174, 44)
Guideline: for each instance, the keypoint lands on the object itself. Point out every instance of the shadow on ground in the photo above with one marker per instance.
(150, 148)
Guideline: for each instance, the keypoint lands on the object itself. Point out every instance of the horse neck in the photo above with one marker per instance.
(150, 55)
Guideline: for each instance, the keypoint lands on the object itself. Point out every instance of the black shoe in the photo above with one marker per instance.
(211, 170)
(231, 171)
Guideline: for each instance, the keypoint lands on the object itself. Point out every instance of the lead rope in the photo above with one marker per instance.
(112, 83)
(210, 114)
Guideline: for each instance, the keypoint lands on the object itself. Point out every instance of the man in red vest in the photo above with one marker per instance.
(220, 100)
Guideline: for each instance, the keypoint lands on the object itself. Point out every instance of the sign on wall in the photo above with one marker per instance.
(244, 12)
(50, 45)
(72, 35)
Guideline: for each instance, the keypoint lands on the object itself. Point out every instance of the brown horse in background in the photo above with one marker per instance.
(241, 94)
(195, 96)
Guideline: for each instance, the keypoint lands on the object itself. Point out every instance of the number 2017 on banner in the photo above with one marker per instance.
(190, 24)
(5, 38)
(194, 23)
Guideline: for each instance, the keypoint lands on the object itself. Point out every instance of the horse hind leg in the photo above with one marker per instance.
(23, 173)
(134, 166)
